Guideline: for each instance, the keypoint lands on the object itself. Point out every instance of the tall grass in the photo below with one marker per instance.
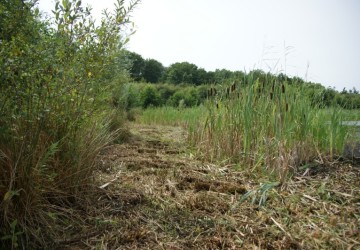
(268, 125)
(173, 116)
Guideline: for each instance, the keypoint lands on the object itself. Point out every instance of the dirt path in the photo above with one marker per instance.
(158, 196)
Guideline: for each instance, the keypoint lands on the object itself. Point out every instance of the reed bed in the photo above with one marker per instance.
(267, 125)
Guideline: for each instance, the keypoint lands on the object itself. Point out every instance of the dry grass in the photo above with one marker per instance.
(159, 196)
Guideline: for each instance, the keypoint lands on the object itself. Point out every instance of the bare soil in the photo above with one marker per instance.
(155, 194)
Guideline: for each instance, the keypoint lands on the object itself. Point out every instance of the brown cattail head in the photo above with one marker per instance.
(283, 88)
(212, 92)
(233, 87)
(273, 87)
(287, 107)
(217, 105)
(271, 95)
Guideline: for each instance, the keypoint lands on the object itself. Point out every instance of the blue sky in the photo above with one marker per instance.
(318, 40)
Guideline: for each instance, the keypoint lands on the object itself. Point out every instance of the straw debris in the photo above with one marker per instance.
(156, 200)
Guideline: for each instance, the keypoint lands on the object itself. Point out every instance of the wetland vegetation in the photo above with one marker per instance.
(101, 149)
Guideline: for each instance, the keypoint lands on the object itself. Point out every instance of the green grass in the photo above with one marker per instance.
(347, 114)
(172, 116)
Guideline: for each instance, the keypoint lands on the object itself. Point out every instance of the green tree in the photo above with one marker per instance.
(220, 75)
(202, 77)
(137, 65)
(183, 72)
(153, 71)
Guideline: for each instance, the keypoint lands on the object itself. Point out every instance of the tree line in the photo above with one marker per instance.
(188, 74)
(152, 71)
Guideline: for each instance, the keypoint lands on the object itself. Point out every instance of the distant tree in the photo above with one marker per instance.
(183, 72)
(137, 66)
(220, 75)
(153, 71)
(328, 97)
(202, 76)
(210, 75)
(282, 78)
(238, 75)
(297, 80)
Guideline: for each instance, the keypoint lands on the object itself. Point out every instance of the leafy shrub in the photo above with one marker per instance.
(149, 96)
(55, 94)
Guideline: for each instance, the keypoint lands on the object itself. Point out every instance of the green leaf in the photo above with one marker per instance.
(64, 3)
(13, 225)
(9, 194)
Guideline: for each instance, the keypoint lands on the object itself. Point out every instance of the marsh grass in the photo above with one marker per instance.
(167, 115)
(267, 125)
(44, 174)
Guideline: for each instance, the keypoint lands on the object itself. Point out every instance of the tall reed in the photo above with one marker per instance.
(265, 124)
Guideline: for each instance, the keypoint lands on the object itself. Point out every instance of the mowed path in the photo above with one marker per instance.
(157, 195)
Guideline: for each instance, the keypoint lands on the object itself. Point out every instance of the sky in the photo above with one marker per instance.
(317, 40)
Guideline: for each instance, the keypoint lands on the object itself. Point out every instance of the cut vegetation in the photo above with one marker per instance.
(160, 196)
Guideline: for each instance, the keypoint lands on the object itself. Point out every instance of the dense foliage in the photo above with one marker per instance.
(152, 71)
(189, 95)
(56, 91)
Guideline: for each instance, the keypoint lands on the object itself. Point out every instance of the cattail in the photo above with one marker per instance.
(217, 105)
(273, 87)
(287, 107)
(271, 95)
(212, 92)
(283, 88)
(233, 87)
